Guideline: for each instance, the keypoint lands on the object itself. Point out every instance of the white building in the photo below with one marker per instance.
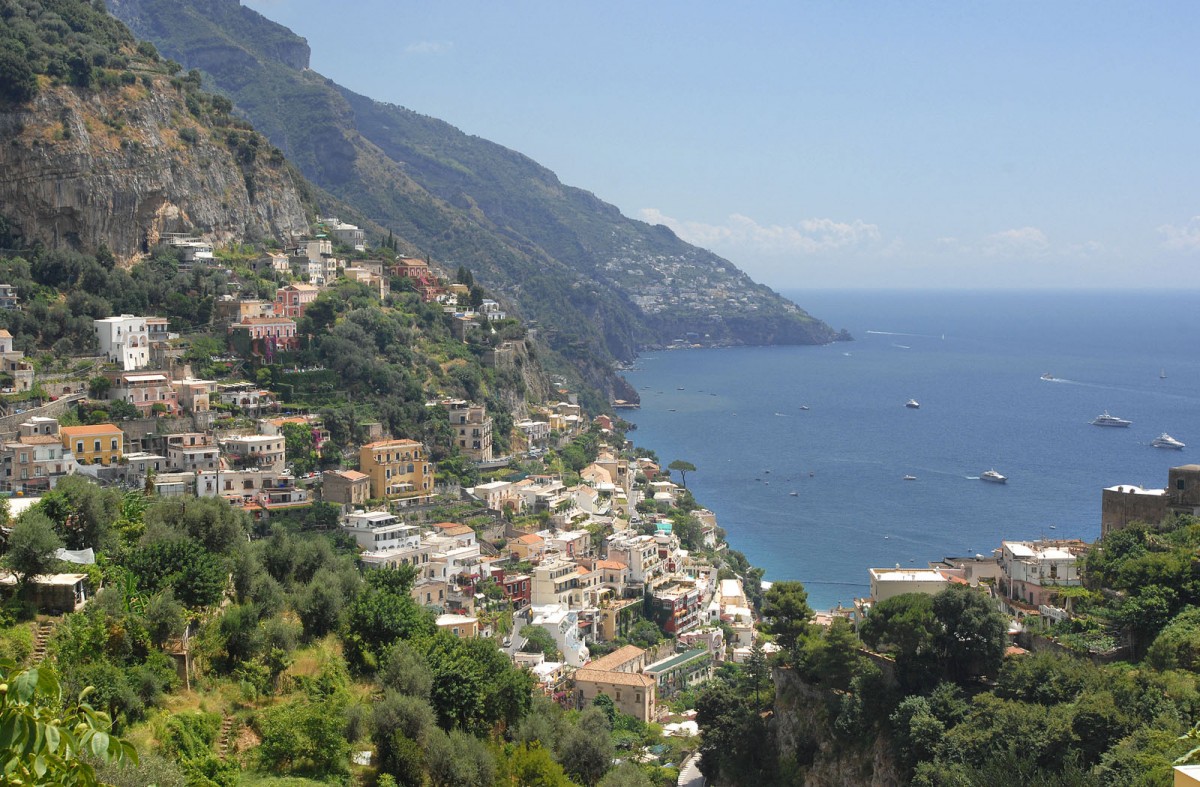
(125, 340)
(380, 531)
(266, 452)
(1034, 570)
(888, 582)
(563, 625)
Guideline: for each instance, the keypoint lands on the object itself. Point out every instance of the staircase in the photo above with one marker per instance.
(41, 637)
(224, 737)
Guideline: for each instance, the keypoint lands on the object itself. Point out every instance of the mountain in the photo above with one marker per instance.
(106, 146)
(598, 284)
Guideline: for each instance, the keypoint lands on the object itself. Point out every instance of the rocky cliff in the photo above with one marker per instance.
(805, 734)
(119, 166)
(598, 284)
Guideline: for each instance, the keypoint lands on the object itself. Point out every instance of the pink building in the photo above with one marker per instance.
(292, 300)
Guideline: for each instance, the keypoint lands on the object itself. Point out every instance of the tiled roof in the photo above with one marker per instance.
(89, 431)
(618, 657)
(350, 475)
(615, 678)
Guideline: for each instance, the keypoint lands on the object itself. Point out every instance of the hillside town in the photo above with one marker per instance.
(565, 570)
(535, 527)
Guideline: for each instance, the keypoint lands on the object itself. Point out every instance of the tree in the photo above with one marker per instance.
(586, 751)
(905, 627)
(682, 467)
(530, 765)
(196, 576)
(31, 547)
(406, 671)
(42, 737)
(459, 759)
(786, 610)
(164, 617)
(99, 386)
(538, 640)
(972, 639)
(300, 447)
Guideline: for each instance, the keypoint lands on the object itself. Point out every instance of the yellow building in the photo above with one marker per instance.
(398, 468)
(98, 444)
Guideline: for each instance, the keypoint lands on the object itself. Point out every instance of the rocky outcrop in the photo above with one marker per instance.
(805, 735)
(119, 167)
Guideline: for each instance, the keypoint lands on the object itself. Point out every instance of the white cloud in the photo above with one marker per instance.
(808, 236)
(1022, 241)
(429, 47)
(1185, 238)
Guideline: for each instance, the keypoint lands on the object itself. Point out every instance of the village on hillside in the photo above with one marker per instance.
(562, 569)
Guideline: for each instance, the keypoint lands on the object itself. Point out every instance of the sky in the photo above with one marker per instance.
(825, 144)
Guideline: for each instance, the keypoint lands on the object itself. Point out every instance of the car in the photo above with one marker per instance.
(506, 642)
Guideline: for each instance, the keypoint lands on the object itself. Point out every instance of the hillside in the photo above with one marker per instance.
(597, 282)
(108, 146)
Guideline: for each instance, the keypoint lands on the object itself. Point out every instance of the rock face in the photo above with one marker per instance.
(121, 166)
(804, 734)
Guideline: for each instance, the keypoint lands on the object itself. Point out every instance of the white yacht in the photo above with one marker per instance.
(1165, 440)
(992, 477)
(1104, 419)
(913, 404)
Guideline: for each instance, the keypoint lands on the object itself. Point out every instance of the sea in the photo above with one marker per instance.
(802, 452)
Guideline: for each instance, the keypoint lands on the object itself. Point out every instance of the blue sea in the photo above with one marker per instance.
(974, 362)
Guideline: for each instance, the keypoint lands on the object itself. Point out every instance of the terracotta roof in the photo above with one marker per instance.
(531, 538)
(40, 439)
(615, 678)
(613, 564)
(445, 525)
(88, 431)
(265, 321)
(392, 443)
(4, 334)
(615, 659)
(349, 475)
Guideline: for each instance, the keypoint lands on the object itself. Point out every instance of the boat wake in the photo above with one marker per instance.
(901, 346)
(901, 333)
(783, 415)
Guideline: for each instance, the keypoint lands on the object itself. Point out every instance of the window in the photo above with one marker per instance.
(96, 445)
(79, 446)
(114, 444)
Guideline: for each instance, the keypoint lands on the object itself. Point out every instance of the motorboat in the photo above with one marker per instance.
(803, 407)
(1165, 440)
(1048, 376)
(910, 478)
(992, 477)
(1104, 419)
(913, 404)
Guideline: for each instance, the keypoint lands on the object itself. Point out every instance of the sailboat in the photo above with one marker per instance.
(1162, 375)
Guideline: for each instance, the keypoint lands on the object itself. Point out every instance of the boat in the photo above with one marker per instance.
(913, 404)
(1165, 440)
(803, 407)
(1162, 375)
(1104, 419)
(1048, 376)
(792, 494)
(992, 477)
(910, 478)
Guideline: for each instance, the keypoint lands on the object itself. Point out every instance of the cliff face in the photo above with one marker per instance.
(599, 285)
(805, 734)
(118, 167)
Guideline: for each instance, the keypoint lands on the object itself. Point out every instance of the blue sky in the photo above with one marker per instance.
(872, 144)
